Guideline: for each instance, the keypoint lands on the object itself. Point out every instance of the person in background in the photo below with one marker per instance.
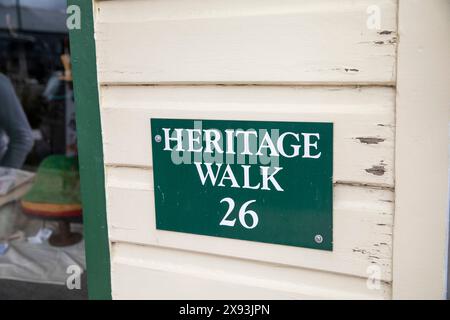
(14, 126)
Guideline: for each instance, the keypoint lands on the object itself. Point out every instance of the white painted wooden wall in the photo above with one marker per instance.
(281, 60)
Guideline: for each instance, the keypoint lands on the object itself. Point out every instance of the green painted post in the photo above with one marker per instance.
(90, 153)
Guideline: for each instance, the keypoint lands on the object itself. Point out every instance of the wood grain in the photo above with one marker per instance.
(253, 41)
(362, 228)
(363, 120)
(140, 272)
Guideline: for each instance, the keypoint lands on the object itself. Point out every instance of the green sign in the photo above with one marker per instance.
(260, 181)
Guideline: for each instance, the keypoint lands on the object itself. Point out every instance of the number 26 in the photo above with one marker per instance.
(243, 212)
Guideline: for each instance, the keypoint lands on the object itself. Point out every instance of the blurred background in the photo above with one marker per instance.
(41, 244)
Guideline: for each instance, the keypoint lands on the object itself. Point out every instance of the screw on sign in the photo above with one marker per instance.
(318, 238)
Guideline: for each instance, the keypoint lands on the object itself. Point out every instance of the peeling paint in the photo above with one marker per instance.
(390, 41)
(362, 251)
(376, 170)
(393, 40)
(370, 140)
